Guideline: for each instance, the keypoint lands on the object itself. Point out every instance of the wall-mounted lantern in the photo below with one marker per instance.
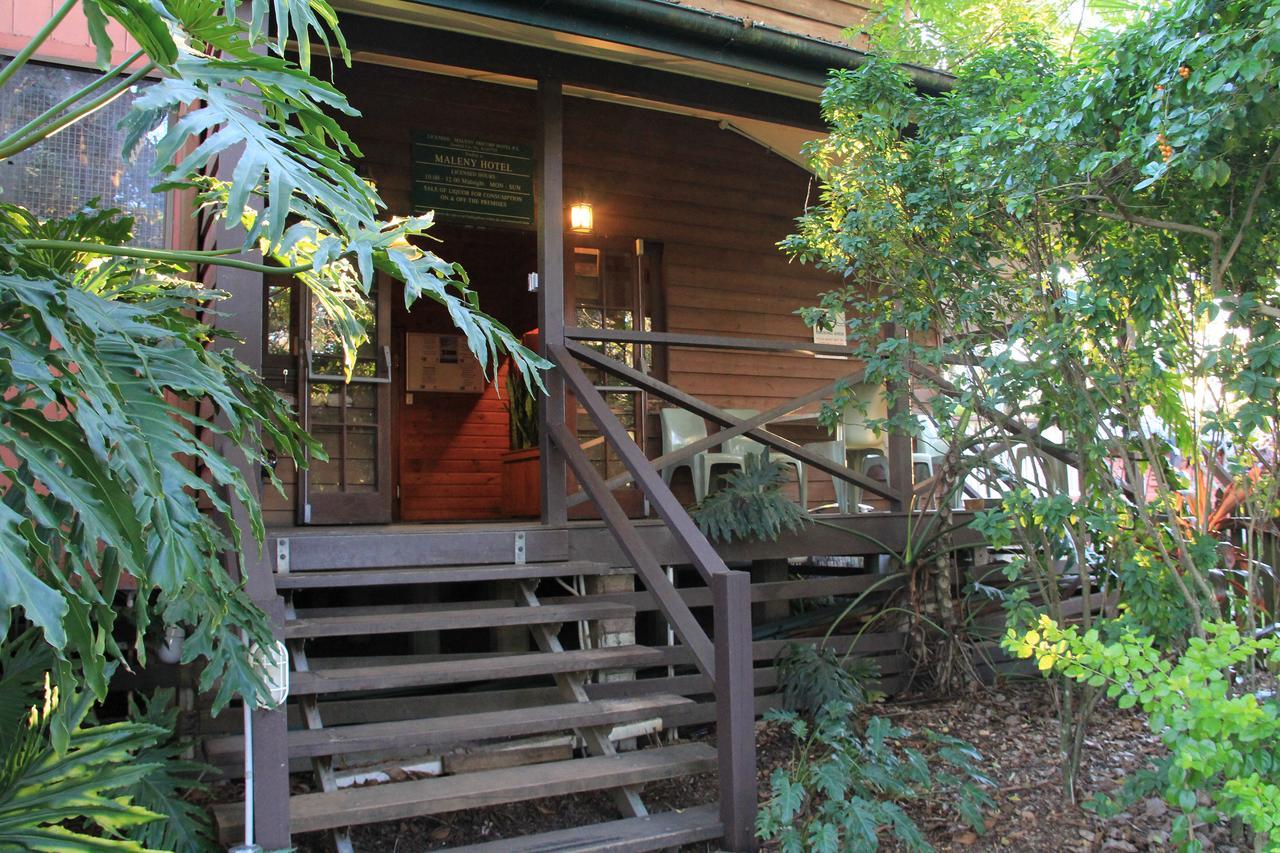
(581, 217)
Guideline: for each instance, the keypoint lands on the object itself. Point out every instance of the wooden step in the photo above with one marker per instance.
(399, 800)
(364, 624)
(432, 733)
(330, 578)
(633, 835)
(343, 548)
(390, 676)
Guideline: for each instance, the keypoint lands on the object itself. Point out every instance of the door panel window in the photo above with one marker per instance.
(349, 419)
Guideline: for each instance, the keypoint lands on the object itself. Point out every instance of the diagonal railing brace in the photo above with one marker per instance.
(720, 416)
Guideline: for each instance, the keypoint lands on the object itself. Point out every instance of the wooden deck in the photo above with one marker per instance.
(587, 541)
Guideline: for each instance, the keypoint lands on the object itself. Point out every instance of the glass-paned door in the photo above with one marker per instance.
(350, 419)
(613, 286)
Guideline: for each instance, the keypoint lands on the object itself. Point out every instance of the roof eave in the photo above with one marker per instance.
(696, 34)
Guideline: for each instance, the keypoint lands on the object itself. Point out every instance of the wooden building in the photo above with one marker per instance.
(417, 591)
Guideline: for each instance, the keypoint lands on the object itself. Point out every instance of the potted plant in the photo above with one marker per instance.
(521, 465)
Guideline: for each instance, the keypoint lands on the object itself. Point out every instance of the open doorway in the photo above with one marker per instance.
(451, 429)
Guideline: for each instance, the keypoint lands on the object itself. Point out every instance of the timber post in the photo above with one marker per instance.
(242, 315)
(271, 758)
(549, 163)
(735, 709)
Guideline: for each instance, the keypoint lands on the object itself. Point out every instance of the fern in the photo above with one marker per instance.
(751, 504)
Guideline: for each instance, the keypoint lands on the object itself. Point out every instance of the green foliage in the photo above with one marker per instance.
(846, 783)
(522, 410)
(52, 797)
(810, 677)
(750, 504)
(1070, 228)
(184, 827)
(114, 379)
(294, 189)
(944, 33)
(1081, 252)
(104, 428)
(1223, 741)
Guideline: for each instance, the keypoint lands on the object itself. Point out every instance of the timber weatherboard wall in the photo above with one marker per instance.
(821, 19)
(717, 202)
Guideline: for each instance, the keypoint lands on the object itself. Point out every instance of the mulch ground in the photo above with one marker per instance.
(1012, 725)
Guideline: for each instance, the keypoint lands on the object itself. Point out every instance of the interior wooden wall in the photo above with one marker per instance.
(717, 202)
(450, 446)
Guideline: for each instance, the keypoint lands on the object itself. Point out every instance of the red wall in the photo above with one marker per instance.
(69, 43)
(450, 446)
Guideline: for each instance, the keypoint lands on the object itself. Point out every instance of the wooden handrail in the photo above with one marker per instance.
(700, 552)
(724, 419)
(680, 339)
(638, 552)
(727, 662)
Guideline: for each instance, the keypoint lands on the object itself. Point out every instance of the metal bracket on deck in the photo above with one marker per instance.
(282, 556)
(519, 556)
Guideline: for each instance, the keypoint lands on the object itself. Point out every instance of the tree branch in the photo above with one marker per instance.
(1258, 187)
(1162, 224)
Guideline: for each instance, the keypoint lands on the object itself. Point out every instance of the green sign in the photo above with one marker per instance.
(473, 180)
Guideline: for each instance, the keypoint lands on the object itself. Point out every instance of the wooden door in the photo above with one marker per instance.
(351, 419)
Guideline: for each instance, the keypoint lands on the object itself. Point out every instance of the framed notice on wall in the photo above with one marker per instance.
(473, 180)
(835, 336)
(441, 363)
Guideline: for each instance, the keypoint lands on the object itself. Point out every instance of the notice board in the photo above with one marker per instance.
(472, 180)
(441, 363)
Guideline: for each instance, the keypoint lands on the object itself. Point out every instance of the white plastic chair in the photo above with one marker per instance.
(741, 446)
(1046, 474)
(681, 428)
(928, 457)
(855, 440)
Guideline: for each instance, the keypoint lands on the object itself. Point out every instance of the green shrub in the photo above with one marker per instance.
(845, 782)
(186, 827)
(1223, 741)
(70, 796)
(811, 677)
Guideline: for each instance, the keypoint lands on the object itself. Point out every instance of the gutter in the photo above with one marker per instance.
(666, 27)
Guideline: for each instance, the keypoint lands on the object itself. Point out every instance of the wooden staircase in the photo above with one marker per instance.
(330, 608)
